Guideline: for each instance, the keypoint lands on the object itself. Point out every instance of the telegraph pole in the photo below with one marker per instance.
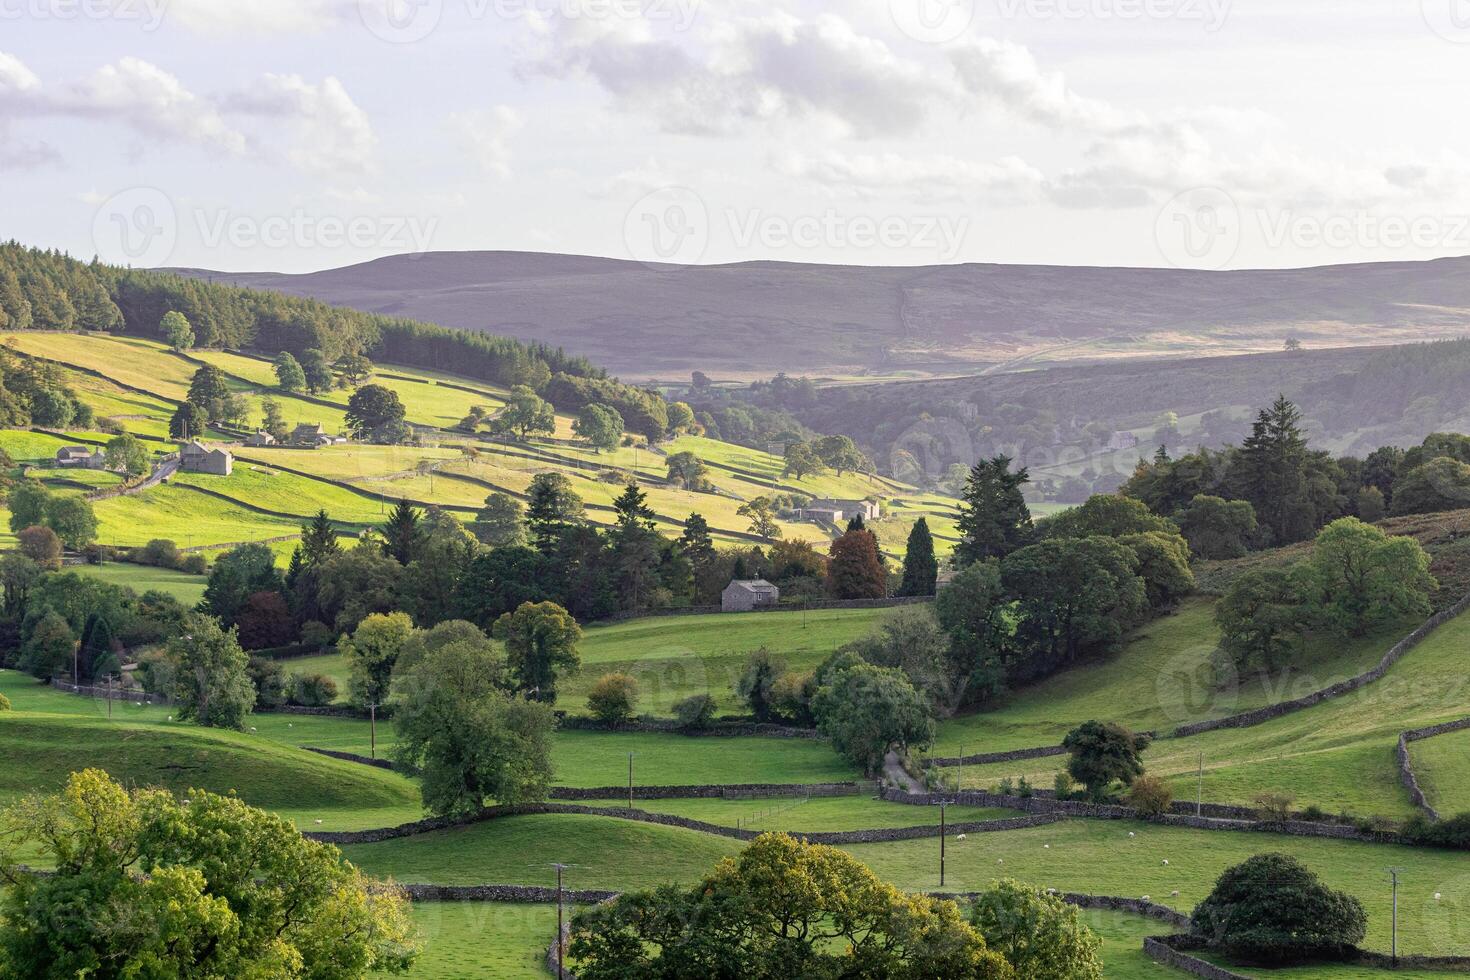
(942, 805)
(1394, 874)
(373, 729)
(1199, 787)
(630, 780)
(561, 946)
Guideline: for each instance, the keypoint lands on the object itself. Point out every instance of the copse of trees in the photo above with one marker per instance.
(69, 516)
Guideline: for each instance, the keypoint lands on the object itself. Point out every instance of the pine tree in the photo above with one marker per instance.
(635, 547)
(402, 535)
(1269, 470)
(696, 542)
(920, 569)
(552, 507)
(632, 507)
(319, 541)
(857, 523)
(994, 519)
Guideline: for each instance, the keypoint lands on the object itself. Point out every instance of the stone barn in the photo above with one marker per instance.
(743, 595)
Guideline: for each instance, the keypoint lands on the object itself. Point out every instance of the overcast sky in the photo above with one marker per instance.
(295, 135)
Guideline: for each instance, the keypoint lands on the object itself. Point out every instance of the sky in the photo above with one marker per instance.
(296, 135)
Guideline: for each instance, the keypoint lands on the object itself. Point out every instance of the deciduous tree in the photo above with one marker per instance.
(541, 646)
(211, 673)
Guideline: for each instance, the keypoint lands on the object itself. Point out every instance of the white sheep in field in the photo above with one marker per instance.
(1174, 894)
(1166, 860)
(960, 837)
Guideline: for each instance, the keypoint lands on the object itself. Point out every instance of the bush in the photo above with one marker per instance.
(1453, 832)
(41, 545)
(1273, 909)
(160, 551)
(1064, 785)
(313, 690)
(317, 634)
(194, 564)
(613, 699)
(4, 703)
(1150, 796)
(695, 711)
(1274, 805)
(269, 678)
(1040, 935)
(1314, 813)
(791, 697)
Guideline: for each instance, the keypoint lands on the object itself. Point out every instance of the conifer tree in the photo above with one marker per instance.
(994, 519)
(402, 535)
(920, 568)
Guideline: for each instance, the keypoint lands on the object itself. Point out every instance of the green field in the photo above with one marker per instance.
(1442, 766)
(673, 657)
(504, 940)
(814, 814)
(184, 587)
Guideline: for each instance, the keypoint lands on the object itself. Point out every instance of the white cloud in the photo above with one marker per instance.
(484, 136)
(331, 132)
(232, 18)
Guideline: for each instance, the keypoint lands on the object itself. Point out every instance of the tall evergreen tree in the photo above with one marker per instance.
(318, 541)
(402, 535)
(696, 542)
(994, 519)
(1269, 470)
(920, 569)
(552, 508)
(636, 551)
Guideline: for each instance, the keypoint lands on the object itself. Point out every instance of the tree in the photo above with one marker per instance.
(371, 409)
(18, 575)
(994, 519)
(27, 503)
(696, 542)
(49, 651)
(525, 414)
(402, 535)
(1263, 615)
(600, 425)
(204, 886)
(1368, 578)
(357, 583)
(174, 328)
(975, 611)
(1163, 564)
(855, 568)
(781, 908)
(97, 650)
(911, 640)
(802, 460)
(318, 541)
(840, 453)
(1217, 528)
(469, 741)
(73, 521)
(1272, 909)
(271, 419)
(1371, 505)
(189, 421)
(1106, 515)
(237, 575)
(371, 652)
(127, 453)
(756, 682)
(355, 368)
(1074, 596)
(688, 470)
(211, 672)
(614, 698)
(317, 370)
(500, 522)
(635, 547)
(867, 710)
(1103, 753)
(540, 645)
(289, 375)
(920, 568)
(552, 507)
(1269, 470)
(1150, 795)
(266, 622)
(41, 545)
(761, 512)
(1440, 484)
(695, 712)
(681, 417)
(1040, 935)
(208, 388)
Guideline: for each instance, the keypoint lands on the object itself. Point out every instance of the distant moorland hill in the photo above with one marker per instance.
(753, 319)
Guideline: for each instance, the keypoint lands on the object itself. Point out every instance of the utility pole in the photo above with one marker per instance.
(561, 946)
(1199, 787)
(942, 805)
(1394, 874)
(630, 780)
(109, 697)
(373, 729)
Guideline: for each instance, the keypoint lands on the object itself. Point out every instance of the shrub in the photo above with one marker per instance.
(1024, 789)
(614, 698)
(754, 686)
(41, 545)
(269, 678)
(315, 633)
(1040, 935)
(1150, 795)
(4, 703)
(791, 697)
(313, 690)
(1064, 785)
(160, 551)
(695, 711)
(1314, 812)
(1453, 832)
(1274, 805)
(195, 564)
(1273, 909)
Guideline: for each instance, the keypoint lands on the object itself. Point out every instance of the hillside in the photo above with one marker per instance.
(137, 383)
(754, 319)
